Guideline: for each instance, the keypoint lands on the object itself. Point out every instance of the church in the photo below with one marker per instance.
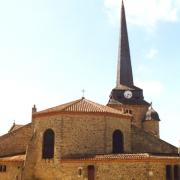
(84, 140)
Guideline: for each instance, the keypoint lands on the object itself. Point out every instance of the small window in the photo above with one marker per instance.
(176, 172)
(126, 111)
(2, 168)
(80, 169)
(168, 172)
(48, 144)
(91, 172)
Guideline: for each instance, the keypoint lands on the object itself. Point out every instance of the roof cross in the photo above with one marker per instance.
(83, 93)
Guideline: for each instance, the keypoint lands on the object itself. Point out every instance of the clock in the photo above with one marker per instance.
(128, 94)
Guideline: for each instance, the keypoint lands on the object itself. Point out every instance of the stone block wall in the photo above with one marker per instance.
(79, 135)
(138, 112)
(15, 142)
(13, 171)
(125, 170)
(75, 136)
(143, 142)
(152, 127)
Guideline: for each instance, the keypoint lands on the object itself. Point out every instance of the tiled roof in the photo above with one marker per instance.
(124, 157)
(15, 127)
(16, 158)
(115, 156)
(82, 105)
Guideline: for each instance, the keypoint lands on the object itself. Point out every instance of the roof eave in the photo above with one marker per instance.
(45, 114)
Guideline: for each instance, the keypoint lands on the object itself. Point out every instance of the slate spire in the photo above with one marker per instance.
(124, 69)
(124, 72)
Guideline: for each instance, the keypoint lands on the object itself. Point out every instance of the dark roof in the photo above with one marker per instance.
(124, 69)
(152, 115)
(124, 87)
(117, 97)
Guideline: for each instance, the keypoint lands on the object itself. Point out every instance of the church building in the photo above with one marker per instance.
(84, 140)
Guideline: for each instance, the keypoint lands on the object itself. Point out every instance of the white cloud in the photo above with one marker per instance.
(147, 13)
(152, 53)
(151, 88)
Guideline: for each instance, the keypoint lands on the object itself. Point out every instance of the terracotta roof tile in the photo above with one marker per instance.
(114, 156)
(128, 157)
(82, 105)
(15, 127)
(13, 158)
(122, 156)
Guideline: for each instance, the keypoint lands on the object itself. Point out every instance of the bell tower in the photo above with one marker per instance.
(126, 95)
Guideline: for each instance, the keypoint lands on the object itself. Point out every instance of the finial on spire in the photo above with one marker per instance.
(151, 104)
(124, 69)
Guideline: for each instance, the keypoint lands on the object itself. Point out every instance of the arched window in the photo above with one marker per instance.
(118, 142)
(48, 144)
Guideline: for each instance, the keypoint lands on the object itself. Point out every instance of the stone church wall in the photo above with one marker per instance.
(143, 142)
(138, 112)
(151, 127)
(103, 171)
(13, 170)
(15, 142)
(77, 135)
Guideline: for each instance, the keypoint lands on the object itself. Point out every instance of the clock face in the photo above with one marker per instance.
(128, 94)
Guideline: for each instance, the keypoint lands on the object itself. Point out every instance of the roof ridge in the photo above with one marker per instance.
(95, 104)
(70, 104)
(100, 106)
(84, 101)
(81, 106)
(66, 105)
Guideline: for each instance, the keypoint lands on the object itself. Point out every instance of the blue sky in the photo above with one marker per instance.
(52, 49)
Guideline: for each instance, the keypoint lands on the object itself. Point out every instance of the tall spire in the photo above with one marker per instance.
(124, 69)
(125, 92)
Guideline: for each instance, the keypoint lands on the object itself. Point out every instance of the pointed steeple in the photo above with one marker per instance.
(124, 69)
(126, 93)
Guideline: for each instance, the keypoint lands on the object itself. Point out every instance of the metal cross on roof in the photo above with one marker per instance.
(83, 93)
